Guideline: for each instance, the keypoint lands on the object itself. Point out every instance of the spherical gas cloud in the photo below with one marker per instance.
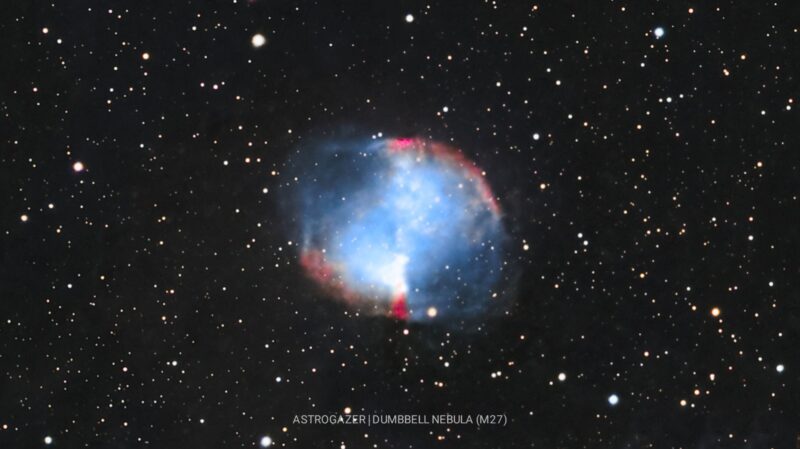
(403, 227)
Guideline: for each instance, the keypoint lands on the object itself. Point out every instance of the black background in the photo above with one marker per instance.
(100, 295)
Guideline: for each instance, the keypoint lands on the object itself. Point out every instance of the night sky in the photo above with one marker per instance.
(642, 158)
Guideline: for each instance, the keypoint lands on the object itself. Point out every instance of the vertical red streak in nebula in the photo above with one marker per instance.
(399, 307)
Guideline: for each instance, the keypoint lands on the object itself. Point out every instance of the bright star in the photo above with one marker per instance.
(258, 40)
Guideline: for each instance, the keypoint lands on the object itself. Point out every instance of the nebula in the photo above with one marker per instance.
(407, 228)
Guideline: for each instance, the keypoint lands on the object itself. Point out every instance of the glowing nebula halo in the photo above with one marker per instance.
(407, 228)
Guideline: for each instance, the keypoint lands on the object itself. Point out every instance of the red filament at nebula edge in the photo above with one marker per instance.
(399, 307)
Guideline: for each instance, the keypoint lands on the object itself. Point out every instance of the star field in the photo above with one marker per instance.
(643, 164)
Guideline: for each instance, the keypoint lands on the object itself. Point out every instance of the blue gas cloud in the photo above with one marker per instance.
(404, 227)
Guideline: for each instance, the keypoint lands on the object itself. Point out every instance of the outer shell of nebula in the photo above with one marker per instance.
(402, 227)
